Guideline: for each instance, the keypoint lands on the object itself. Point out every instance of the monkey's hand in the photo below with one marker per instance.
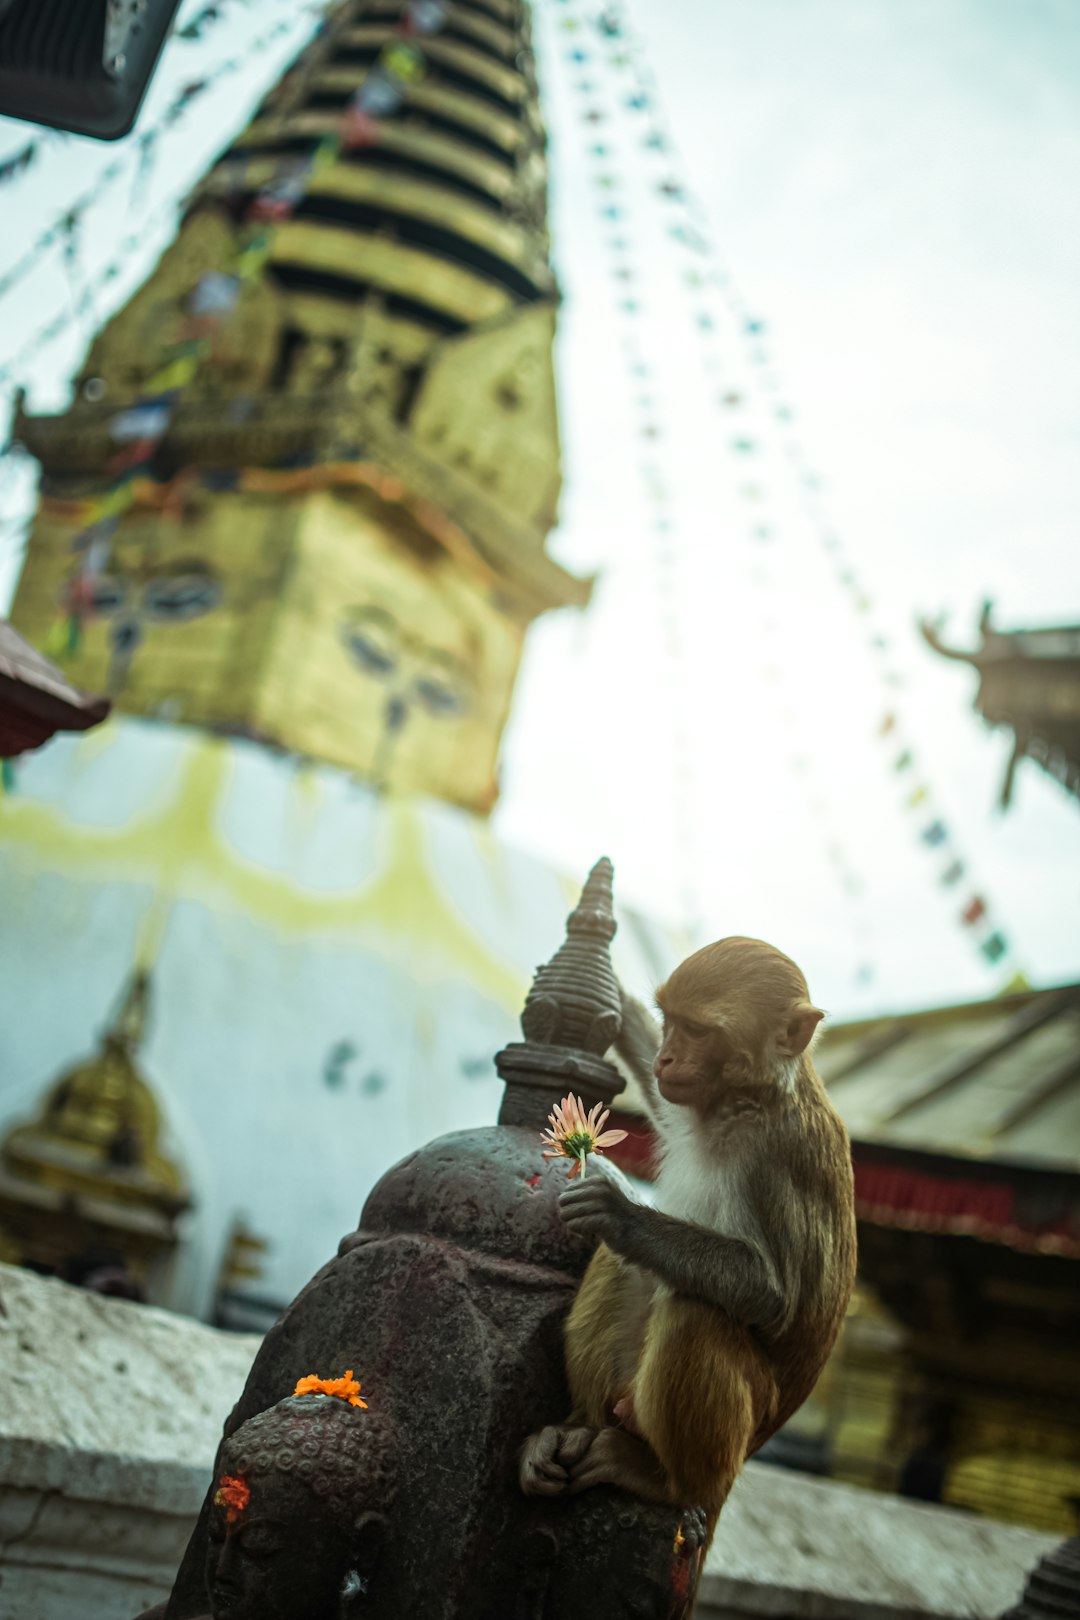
(602, 1207)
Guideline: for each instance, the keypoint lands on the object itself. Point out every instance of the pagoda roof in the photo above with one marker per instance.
(35, 699)
(1060, 643)
(1029, 680)
(993, 1081)
(287, 438)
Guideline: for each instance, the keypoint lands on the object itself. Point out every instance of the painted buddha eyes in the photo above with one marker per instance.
(107, 595)
(426, 676)
(186, 593)
(372, 645)
(181, 596)
(438, 697)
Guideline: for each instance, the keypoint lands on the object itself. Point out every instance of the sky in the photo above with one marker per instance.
(888, 189)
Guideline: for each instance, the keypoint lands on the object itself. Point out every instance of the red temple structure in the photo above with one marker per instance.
(35, 699)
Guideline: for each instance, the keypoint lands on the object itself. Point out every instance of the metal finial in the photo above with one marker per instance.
(129, 1026)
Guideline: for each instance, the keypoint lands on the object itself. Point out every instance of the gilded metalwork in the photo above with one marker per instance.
(340, 542)
(88, 1172)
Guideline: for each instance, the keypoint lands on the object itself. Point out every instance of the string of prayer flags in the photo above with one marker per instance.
(215, 293)
(685, 226)
(686, 232)
(360, 127)
(400, 66)
(59, 230)
(253, 255)
(279, 198)
(140, 429)
(147, 420)
(18, 163)
(425, 16)
(377, 97)
(196, 28)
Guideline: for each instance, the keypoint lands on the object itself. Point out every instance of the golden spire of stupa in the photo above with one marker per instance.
(339, 541)
(89, 1167)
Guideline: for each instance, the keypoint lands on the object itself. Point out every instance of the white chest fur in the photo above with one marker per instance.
(699, 1185)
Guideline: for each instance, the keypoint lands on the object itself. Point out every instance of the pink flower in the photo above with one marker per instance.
(575, 1134)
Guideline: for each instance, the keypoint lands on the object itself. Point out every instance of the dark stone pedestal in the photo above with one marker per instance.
(448, 1304)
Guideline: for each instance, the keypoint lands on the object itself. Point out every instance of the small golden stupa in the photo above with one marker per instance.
(87, 1178)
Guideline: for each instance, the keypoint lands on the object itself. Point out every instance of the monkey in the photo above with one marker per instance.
(704, 1321)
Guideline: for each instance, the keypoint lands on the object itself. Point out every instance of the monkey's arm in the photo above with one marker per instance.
(637, 1043)
(735, 1274)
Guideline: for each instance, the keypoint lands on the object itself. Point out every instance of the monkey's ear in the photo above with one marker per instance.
(803, 1020)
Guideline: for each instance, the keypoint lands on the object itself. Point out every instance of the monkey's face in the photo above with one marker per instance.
(698, 1056)
(735, 1013)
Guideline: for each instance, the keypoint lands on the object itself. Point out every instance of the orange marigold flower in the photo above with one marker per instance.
(346, 1388)
(233, 1495)
(575, 1134)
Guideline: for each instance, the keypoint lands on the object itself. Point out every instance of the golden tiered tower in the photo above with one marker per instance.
(341, 543)
(88, 1172)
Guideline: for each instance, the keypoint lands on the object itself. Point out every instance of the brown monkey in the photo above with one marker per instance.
(702, 1323)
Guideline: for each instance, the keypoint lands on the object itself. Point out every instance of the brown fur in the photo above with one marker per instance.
(704, 1386)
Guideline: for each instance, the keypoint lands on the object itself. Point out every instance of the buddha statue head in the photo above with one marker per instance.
(300, 1510)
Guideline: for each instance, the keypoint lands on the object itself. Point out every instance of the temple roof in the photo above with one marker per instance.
(994, 1081)
(1029, 680)
(36, 700)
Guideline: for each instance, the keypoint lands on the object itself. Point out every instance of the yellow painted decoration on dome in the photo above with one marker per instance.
(176, 849)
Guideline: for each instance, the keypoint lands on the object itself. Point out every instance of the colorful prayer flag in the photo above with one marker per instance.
(358, 128)
(173, 375)
(404, 62)
(215, 293)
(144, 421)
(378, 95)
(424, 16)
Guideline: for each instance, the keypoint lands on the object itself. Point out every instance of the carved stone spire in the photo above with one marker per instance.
(571, 1016)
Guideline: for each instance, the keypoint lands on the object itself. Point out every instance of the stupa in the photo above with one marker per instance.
(306, 589)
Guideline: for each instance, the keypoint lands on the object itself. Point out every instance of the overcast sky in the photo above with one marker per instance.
(891, 186)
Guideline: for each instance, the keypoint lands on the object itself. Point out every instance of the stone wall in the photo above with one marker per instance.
(795, 1548)
(110, 1414)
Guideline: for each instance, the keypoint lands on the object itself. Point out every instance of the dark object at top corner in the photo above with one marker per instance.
(80, 65)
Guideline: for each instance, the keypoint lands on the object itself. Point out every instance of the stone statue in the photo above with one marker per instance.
(299, 1513)
(449, 1302)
